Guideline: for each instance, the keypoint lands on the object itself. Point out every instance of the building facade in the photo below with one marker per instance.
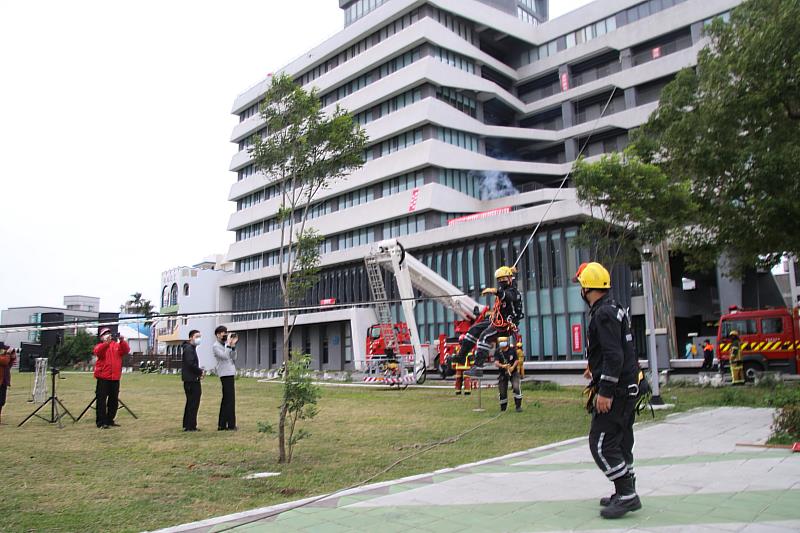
(470, 106)
(189, 290)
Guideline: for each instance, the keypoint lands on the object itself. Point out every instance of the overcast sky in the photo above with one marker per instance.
(114, 128)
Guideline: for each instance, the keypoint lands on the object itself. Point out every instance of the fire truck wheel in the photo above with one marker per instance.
(751, 370)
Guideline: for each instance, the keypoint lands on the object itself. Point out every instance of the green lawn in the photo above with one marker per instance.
(149, 474)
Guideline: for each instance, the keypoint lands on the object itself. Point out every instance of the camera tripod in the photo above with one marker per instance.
(91, 404)
(55, 415)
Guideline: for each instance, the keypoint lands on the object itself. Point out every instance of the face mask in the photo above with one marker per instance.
(197, 341)
(225, 338)
(584, 298)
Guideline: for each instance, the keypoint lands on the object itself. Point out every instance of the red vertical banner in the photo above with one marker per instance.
(564, 81)
(656, 52)
(412, 205)
(577, 341)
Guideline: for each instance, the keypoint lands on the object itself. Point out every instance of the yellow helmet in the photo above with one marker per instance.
(504, 272)
(733, 333)
(593, 276)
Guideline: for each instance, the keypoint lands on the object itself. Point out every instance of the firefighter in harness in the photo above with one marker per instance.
(505, 315)
(613, 391)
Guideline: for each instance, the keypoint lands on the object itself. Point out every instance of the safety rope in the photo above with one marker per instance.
(94, 322)
(566, 177)
(427, 448)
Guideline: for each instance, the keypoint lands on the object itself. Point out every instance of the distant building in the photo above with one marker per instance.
(190, 290)
(76, 308)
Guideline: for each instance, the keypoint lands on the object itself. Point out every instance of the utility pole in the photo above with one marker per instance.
(650, 323)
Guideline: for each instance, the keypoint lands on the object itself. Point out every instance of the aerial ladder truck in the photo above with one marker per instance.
(395, 353)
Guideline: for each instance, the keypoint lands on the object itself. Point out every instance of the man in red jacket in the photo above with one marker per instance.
(108, 371)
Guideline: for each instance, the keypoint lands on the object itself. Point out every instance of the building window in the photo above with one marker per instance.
(186, 289)
(165, 296)
(459, 100)
(454, 60)
(173, 294)
(458, 138)
(325, 351)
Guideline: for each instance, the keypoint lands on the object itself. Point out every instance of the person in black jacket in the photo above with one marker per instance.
(505, 315)
(613, 370)
(191, 374)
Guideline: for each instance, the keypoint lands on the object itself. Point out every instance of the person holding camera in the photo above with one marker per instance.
(225, 353)
(108, 372)
(7, 358)
(191, 374)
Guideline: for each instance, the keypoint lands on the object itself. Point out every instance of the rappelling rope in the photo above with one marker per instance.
(566, 177)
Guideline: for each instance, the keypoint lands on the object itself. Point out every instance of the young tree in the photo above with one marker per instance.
(304, 151)
(300, 397)
(732, 127)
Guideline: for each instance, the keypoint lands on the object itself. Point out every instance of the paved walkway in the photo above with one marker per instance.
(692, 476)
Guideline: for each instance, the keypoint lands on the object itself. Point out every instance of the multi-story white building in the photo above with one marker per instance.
(470, 106)
(190, 290)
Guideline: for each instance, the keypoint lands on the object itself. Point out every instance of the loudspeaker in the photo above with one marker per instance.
(28, 353)
(51, 338)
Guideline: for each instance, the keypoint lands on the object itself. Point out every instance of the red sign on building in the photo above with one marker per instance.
(328, 301)
(564, 81)
(479, 216)
(412, 205)
(577, 341)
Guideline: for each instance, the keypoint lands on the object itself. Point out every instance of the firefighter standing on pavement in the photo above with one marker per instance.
(614, 371)
(505, 315)
(737, 369)
(508, 361)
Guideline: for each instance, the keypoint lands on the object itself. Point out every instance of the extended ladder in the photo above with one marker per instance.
(378, 290)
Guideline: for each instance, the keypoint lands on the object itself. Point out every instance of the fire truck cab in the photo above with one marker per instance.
(770, 340)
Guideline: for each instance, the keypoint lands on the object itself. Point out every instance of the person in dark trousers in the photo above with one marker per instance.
(7, 358)
(108, 372)
(505, 315)
(708, 355)
(507, 360)
(191, 374)
(225, 354)
(613, 370)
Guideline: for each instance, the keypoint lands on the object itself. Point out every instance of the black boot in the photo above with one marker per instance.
(518, 403)
(625, 499)
(606, 501)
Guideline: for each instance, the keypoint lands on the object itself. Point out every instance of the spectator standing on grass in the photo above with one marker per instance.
(191, 374)
(225, 354)
(708, 355)
(7, 358)
(108, 372)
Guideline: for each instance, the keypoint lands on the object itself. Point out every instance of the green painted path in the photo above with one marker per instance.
(691, 474)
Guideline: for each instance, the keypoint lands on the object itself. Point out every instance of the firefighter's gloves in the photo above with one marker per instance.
(489, 290)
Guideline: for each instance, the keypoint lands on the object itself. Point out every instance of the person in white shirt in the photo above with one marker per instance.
(225, 354)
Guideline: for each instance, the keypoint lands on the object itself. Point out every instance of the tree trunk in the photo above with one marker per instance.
(282, 433)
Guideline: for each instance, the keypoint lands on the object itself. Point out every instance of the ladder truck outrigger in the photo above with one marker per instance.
(395, 355)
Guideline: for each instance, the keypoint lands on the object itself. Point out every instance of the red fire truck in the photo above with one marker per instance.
(396, 346)
(770, 340)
